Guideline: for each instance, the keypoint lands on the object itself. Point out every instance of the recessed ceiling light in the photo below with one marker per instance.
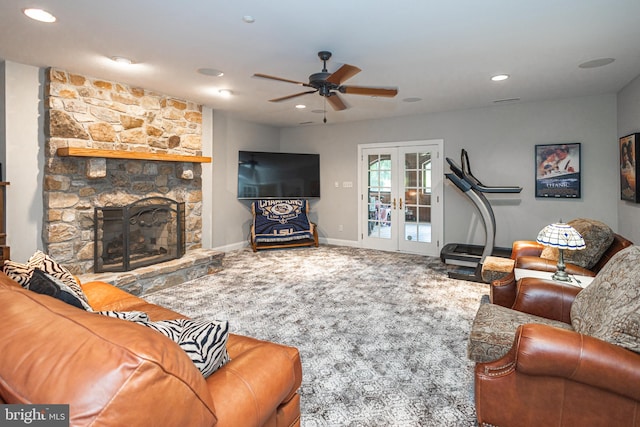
(318, 111)
(121, 60)
(39, 15)
(301, 106)
(601, 62)
(248, 19)
(500, 77)
(225, 93)
(210, 72)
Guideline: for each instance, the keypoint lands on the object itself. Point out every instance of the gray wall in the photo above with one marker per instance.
(24, 142)
(629, 122)
(500, 142)
(231, 218)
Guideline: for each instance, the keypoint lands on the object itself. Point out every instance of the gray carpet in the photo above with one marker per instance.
(382, 336)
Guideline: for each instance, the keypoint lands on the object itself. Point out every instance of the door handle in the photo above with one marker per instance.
(400, 202)
(394, 203)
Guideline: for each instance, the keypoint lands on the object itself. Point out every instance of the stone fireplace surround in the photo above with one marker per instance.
(85, 112)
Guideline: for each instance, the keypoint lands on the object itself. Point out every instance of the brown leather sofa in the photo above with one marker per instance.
(552, 372)
(526, 254)
(117, 373)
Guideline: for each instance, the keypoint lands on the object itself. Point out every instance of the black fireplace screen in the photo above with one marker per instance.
(143, 233)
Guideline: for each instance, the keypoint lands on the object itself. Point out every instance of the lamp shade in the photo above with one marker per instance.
(561, 236)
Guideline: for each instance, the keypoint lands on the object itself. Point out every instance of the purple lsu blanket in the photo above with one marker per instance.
(280, 220)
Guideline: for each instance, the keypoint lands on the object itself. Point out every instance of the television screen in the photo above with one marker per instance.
(263, 175)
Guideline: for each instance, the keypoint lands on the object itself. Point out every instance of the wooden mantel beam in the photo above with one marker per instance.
(129, 155)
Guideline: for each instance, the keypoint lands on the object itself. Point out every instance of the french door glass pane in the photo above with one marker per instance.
(379, 195)
(417, 197)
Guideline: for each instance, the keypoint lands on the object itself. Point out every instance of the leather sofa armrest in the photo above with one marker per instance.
(525, 248)
(545, 298)
(542, 350)
(503, 291)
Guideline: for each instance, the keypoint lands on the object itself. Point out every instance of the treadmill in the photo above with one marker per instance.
(469, 258)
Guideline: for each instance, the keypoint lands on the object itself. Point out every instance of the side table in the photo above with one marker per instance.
(579, 281)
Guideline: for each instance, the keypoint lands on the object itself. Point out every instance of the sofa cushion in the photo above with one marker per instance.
(597, 236)
(494, 329)
(608, 308)
(110, 372)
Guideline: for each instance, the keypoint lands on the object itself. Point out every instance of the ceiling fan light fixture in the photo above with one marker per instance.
(210, 72)
(121, 60)
(500, 77)
(40, 15)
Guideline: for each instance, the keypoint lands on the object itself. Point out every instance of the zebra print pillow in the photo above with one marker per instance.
(22, 273)
(47, 264)
(204, 342)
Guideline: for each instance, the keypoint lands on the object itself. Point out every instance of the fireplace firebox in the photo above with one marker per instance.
(146, 232)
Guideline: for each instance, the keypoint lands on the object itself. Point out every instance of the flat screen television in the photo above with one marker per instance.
(268, 175)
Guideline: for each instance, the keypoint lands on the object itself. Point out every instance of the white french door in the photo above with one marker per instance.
(401, 196)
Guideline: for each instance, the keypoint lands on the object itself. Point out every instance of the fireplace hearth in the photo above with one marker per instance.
(146, 232)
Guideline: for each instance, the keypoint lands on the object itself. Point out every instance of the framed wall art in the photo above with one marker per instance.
(629, 146)
(558, 170)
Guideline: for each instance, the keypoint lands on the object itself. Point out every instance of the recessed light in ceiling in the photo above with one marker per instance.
(121, 60)
(412, 99)
(500, 77)
(248, 19)
(210, 72)
(595, 63)
(39, 15)
(225, 93)
(301, 106)
(318, 111)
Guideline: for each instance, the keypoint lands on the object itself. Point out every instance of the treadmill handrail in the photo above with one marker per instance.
(475, 184)
(459, 182)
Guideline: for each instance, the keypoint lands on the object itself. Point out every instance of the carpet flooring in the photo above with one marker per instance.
(382, 336)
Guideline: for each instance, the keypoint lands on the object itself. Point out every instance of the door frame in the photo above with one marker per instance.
(437, 210)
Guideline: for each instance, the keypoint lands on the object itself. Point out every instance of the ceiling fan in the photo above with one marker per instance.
(329, 85)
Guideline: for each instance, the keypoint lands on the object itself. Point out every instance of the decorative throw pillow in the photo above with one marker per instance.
(608, 308)
(21, 273)
(43, 283)
(47, 264)
(597, 236)
(132, 316)
(204, 342)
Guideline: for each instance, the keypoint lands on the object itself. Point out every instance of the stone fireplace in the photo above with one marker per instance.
(146, 232)
(146, 145)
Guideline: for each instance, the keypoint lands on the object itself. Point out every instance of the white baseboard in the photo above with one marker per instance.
(321, 240)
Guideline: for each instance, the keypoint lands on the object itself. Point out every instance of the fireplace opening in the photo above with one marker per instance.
(146, 232)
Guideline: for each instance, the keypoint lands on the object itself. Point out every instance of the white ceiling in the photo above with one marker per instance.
(443, 52)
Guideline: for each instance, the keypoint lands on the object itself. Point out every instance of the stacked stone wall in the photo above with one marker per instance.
(91, 113)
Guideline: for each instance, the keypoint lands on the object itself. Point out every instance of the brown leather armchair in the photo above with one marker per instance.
(552, 375)
(526, 254)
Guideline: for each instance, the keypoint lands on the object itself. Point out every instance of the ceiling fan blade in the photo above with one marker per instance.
(336, 102)
(266, 76)
(371, 91)
(284, 98)
(343, 74)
